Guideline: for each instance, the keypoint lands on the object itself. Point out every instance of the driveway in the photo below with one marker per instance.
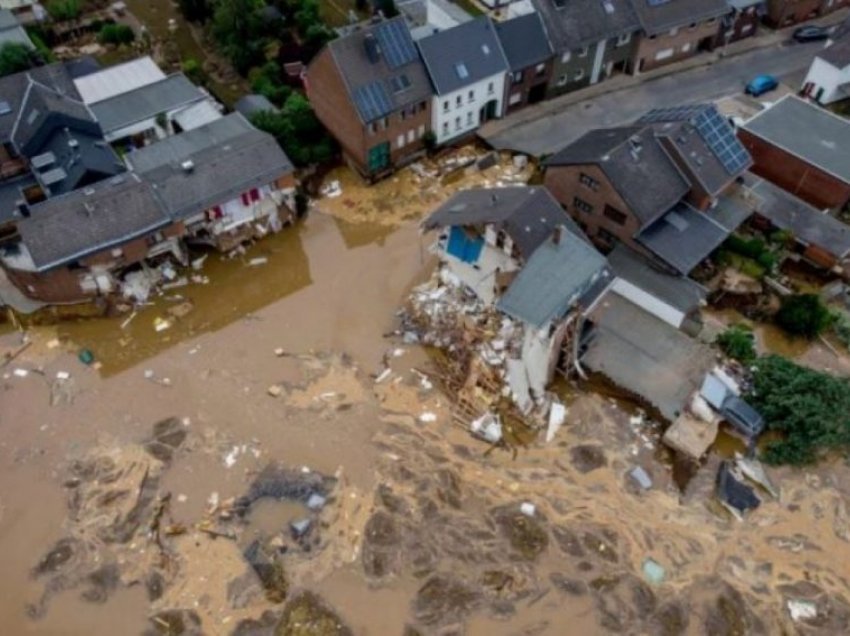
(555, 128)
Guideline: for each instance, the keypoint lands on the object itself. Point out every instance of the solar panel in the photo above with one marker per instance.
(720, 137)
(396, 43)
(372, 101)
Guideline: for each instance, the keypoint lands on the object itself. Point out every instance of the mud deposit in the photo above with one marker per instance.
(333, 506)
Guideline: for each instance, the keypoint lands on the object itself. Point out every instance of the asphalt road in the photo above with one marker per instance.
(726, 77)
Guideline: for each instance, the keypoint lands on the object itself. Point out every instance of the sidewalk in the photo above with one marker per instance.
(766, 39)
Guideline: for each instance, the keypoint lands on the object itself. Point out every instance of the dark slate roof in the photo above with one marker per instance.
(807, 223)
(524, 41)
(463, 55)
(145, 102)
(633, 160)
(704, 140)
(391, 77)
(82, 66)
(229, 157)
(573, 24)
(807, 131)
(13, 89)
(250, 104)
(657, 16)
(553, 280)
(837, 53)
(69, 227)
(732, 208)
(676, 291)
(683, 237)
(528, 214)
(11, 194)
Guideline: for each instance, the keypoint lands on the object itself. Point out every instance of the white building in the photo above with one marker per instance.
(828, 79)
(468, 69)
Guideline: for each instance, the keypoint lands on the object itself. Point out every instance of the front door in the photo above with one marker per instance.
(537, 93)
(379, 157)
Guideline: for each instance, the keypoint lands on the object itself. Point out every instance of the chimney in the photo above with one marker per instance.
(556, 235)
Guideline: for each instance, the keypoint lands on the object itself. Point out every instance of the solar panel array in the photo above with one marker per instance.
(372, 101)
(720, 137)
(396, 43)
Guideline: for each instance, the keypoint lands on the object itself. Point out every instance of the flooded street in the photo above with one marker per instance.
(289, 492)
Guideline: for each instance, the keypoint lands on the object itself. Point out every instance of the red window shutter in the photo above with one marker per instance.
(255, 194)
(245, 199)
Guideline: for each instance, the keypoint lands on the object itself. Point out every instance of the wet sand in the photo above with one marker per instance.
(423, 516)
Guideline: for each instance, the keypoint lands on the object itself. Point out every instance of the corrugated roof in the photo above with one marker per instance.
(146, 102)
(553, 280)
(463, 55)
(528, 214)
(86, 221)
(524, 41)
(808, 132)
(118, 79)
(683, 237)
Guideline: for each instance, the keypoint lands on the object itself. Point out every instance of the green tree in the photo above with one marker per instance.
(737, 342)
(63, 10)
(15, 58)
(810, 410)
(298, 131)
(237, 29)
(803, 315)
(195, 10)
(266, 80)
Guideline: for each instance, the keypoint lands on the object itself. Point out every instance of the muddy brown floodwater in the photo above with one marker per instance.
(135, 505)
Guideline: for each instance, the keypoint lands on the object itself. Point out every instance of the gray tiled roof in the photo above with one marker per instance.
(807, 223)
(657, 16)
(395, 79)
(808, 132)
(837, 53)
(553, 280)
(524, 41)
(633, 160)
(44, 108)
(528, 214)
(578, 23)
(677, 291)
(146, 102)
(86, 221)
(683, 237)
(229, 157)
(13, 88)
(463, 55)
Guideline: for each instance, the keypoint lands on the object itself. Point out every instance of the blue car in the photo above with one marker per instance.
(761, 85)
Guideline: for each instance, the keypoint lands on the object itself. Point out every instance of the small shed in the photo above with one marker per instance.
(253, 103)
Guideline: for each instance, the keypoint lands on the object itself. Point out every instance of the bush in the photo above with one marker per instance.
(15, 58)
(116, 34)
(751, 248)
(298, 131)
(63, 10)
(811, 410)
(192, 69)
(803, 315)
(767, 260)
(738, 342)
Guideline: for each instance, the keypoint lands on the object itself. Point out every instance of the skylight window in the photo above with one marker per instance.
(486, 49)
(461, 70)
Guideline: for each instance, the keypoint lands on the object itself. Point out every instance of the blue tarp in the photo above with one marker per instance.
(463, 246)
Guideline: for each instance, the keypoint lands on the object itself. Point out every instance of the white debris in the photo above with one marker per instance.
(161, 324)
(383, 375)
(802, 610)
(331, 190)
(428, 417)
(527, 508)
(279, 352)
(20, 373)
(641, 477)
(213, 500)
(181, 498)
(62, 375)
(198, 263)
(148, 374)
(260, 260)
(397, 353)
(557, 417)
(488, 427)
(230, 458)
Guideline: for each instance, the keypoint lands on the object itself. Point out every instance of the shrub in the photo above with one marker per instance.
(15, 58)
(738, 342)
(63, 10)
(116, 34)
(803, 315)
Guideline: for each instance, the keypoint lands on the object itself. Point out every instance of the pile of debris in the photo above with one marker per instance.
(477, 345)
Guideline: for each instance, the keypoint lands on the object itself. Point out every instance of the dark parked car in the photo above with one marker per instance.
(810, 33)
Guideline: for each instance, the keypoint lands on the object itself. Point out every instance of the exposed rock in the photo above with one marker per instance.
(307, 615)
(444, 600)
(269, 570)
(587, 457)
(526, 535)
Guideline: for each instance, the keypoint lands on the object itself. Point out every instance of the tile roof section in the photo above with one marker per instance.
(463, 55)
(524, 41)
(633, 160)
(117, 79)
(528, 214)
(553, 280)
(806, 131)
(837, 54)
(657, 16)
(381, 68)
(86, 221)
(13, 89)
(573, 24)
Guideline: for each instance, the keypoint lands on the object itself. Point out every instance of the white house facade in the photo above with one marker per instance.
(462, 111)
(826, 83)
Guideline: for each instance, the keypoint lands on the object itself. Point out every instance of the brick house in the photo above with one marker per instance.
(783, 13)
(802, 148)
(530, 60)
(370, 89)
(72, 247)
(652, 186)
(591, 40)
(675, 30)
(743, 22)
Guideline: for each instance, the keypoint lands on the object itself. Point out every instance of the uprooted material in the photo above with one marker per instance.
(281, 483)
(733, 493)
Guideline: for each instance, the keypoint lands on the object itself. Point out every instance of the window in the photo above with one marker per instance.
(582, 206)
(117, 252)
(459, 101)
(472, 96)
(400, 141)
(583, 52)
(515, 98)
(445, 128)
(686, 47)
(411, 136)
(421, 131)
(469, 121)
(500, 239)
(446, 106)
(562, 80)
(403, 114)
(540, 70)
(423, 106)
(615, 215)
(516, 77)
(457, 123)
(490, 88)
(606, 236)
(579, 74)
(588, 182)
(255, 195)
(625, 38)
(565, 57)
(674, 31)
(371, 128)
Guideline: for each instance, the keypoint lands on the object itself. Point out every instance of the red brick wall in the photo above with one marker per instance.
(784, 12)
(648, 46)
(795, 175)
(529, 79)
